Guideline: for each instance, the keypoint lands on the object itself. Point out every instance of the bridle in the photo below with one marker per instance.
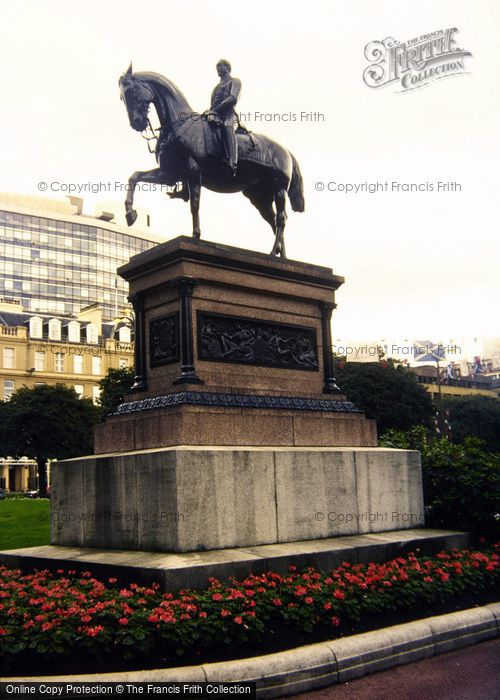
(148, 134)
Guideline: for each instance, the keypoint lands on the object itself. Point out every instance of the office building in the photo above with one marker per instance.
(54, 259)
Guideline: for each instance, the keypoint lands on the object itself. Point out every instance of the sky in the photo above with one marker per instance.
(417, 264)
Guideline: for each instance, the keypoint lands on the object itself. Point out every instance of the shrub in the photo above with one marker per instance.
(474, 416)
(461, 482)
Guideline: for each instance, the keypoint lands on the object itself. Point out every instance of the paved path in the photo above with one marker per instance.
(472, 673)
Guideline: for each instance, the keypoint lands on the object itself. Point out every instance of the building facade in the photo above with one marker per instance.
(60, 297)
(54, 259)
(41, 348)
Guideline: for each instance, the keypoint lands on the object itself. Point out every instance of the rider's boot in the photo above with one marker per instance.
(182, 193)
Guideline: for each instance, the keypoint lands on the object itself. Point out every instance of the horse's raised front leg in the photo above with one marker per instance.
(155, 176)
(279, 242)
(194, 198)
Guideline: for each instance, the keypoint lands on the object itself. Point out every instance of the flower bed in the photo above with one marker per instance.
(45, 616)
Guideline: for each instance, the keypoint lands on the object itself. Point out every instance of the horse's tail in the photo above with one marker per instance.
(296, 189)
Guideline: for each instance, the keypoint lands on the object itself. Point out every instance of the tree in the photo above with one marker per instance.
(47, 422)
(386, 391)
(114, 386)
(474, 416)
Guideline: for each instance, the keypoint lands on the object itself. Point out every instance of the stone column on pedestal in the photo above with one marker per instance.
(330, 386)
(139, 384)
(188, 374)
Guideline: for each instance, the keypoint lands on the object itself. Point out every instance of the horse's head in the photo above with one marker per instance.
(137, 96)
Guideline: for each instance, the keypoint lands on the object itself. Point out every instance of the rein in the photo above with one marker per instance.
(149, 135)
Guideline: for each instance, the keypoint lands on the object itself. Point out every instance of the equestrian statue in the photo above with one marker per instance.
(210, 150)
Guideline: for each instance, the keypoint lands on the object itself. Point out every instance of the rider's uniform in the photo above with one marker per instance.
(225, 95)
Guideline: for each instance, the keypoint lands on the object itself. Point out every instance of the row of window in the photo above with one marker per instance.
(74, 331)
(61, 364)
(34, 290)
(9, 388)
(55, 330)
(68, 306)
(27, 227)
(97, 270)
(104, 259)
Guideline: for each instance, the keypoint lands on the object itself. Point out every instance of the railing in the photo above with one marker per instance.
(463, 383)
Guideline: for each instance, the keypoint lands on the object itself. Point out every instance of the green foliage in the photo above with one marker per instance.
(386, 391)
(475, 416)
(114, 386)
(413, 439)
(461, 482)
(46, 422)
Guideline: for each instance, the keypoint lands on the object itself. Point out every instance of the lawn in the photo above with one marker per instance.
(24, 522)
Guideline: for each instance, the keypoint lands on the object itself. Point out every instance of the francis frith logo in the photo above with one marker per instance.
(416, 62)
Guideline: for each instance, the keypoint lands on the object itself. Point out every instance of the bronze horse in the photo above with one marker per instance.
(189, 150)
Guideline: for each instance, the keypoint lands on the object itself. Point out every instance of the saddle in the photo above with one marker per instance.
(254, 148)
(251, 147)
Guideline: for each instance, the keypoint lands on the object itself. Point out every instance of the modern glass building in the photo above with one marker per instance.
(54, 259)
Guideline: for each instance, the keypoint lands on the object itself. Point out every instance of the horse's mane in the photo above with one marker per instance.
(164, 82)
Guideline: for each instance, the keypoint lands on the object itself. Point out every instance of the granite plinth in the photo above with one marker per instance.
(217, 425)
(245, 331)
(185, 499)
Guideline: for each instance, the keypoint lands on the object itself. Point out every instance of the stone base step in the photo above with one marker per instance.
(193, 569)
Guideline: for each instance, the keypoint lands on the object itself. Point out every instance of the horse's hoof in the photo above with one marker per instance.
(131, 217)
(196, 235)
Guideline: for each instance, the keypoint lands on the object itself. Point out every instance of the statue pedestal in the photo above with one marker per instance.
(235, 434)
(232, 348)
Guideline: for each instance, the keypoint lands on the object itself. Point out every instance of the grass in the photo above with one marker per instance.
(24, 522)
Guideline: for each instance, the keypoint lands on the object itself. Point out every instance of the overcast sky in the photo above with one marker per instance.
(418, 265)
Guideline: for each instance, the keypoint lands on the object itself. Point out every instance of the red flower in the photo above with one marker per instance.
(217, 597)
(340, 595)
(225, 612)
(309, 600)
(202, 614)
(327, 606)
(112, 580)
(238, 620)
(123, 621)
(335, 622)
(3, 631)
(300, 590)
(277, 602)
